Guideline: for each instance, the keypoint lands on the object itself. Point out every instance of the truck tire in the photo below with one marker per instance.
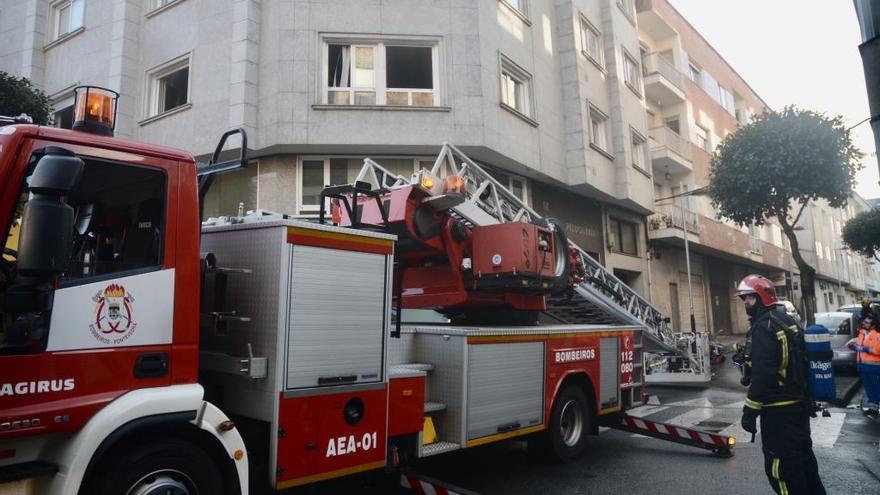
(566, 437)
(164, 466)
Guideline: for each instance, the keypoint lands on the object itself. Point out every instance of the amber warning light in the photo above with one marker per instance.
(95, 110)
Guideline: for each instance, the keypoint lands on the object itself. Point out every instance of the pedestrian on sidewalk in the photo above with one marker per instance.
(867, 347)
(779, 392)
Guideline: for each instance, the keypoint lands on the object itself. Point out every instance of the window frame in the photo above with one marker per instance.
(516, 73)
(154, 78)
(628, 7)
(636, 85)
(618, 236)
(588, 27)
(603, 120)
(379, 45)
(707, 145)
(695, 73)
(521, 11)
(643, 153)
(57, 7)
(157, 6)
(308, 209)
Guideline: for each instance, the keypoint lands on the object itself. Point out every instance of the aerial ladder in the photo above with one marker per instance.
(596, 295)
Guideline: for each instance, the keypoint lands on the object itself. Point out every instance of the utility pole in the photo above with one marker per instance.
(685, 209)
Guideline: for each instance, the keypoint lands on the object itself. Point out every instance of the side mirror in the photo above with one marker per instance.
(46, 241)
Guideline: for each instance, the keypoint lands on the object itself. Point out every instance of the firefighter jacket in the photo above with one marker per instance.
(779, 380)
(869, 359)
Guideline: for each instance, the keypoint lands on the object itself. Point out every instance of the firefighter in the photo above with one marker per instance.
(867, 347)
(779, 392)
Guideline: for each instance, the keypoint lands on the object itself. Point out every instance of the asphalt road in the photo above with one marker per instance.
(846, 445)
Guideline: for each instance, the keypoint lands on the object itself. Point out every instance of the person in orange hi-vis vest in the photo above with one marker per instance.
(867, 347)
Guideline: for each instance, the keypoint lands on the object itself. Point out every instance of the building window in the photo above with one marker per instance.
(702, 138)
(673, 124)
(591, 42)
(695, 73)
(68, 17)
(628, 7)
(316, 172)
(232, 193)
(517, 185)
(169, 86)
(638, 150)
(63, 119)
(598, 129)
(516, 87)
(622, 237)
(631, 73)
(521, 6)
(381, 74)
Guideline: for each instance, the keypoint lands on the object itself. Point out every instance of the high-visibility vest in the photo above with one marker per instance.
(872, 340)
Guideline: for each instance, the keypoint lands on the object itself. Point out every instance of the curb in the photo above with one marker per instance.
(848, 393)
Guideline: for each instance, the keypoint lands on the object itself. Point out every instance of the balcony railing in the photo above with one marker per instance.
(674, 216)
(654, 63)
(664, 137)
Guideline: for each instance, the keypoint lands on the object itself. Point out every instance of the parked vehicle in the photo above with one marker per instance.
(843, 326)
(856, 309)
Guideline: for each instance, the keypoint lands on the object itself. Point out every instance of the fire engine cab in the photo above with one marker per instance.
(144, 352)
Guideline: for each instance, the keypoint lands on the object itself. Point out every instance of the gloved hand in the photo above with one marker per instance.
(862, 348)
(750, 420)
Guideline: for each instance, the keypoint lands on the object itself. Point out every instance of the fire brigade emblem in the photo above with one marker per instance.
(113, 323)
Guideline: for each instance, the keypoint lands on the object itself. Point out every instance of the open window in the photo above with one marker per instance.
(393, 73)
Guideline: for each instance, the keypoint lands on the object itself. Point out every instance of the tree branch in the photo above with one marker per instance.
(798, 217)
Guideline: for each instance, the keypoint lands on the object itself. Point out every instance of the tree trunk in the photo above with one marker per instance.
(808, 274)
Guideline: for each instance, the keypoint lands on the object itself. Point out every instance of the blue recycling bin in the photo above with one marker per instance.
(820, 372)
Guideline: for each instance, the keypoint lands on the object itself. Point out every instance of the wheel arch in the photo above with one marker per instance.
(175, 425)
(581, 380)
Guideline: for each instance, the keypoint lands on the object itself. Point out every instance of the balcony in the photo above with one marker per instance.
(664, 84)
(671, 220)
(670, 151)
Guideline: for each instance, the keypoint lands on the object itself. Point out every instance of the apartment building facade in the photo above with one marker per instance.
(842, 276)
(320, 85)
(694, 99)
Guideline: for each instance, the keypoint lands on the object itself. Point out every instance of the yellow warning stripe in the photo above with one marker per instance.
(329, 475)
(339, 236)
(783, 366)
(608, 410)
(503, 436)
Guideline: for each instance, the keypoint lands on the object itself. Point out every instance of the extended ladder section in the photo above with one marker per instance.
(601, 298)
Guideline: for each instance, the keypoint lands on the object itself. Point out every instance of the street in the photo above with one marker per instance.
(846, 445)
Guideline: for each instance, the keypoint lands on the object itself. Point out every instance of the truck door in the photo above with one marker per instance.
(104, 325)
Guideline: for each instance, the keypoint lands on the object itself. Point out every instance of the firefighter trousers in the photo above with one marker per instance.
(789, 461)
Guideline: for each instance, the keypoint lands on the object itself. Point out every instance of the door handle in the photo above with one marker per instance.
(151, 365)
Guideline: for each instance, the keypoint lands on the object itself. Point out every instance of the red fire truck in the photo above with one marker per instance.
(143, 353)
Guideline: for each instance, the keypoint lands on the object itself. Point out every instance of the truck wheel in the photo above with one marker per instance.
(569, 425)
(161, 467)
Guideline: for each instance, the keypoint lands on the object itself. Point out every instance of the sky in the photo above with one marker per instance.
(802, 52)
